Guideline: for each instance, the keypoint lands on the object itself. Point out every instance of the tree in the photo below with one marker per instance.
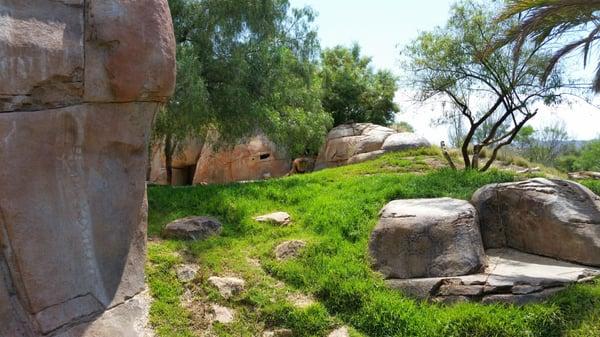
(186, 114)
(549, 144)
(402, 127)
(257, 62)
(551, 20)
(353, 92)
(589, 159)
(495, 91)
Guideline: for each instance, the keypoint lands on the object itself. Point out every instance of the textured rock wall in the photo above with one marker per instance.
(80, 82)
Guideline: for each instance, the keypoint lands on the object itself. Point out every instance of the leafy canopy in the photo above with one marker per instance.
(353, 91)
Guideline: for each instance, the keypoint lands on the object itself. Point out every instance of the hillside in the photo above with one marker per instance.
(331, 283)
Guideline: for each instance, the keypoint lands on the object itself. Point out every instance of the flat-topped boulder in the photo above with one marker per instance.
(510, 277)
(427, 238)
(357, 142)
(553, 218)
(193, 228)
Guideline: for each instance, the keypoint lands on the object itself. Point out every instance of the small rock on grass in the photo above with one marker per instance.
(227, 286)
(301, 301)
(186, 272)
(222, 314)
(289, 249)
(193, 228)
(340, 332)
(277, 218)
(278, 333)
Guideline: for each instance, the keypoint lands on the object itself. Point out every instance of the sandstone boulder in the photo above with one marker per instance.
(257, 158)
(74, 133)
(554, 218)
(357, 142)
(404, 141)
(193, 228)
(427, 238)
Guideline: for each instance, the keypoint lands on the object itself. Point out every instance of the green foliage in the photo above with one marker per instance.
(353, 92)
(258, 66)
(491, 92)
(402, 127)
(589, 158)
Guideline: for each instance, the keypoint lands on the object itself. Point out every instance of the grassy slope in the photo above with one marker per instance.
(334, 210)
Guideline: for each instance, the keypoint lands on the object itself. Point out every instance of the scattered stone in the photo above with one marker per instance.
(584, 175)
(227, 286)
(427, 238)
(278, 333)
(554, 218)
(510, 277)
(404, 141)
(187, 272)
(193, 228)
(277, 218)
(340, 332)
(222, 314)
(301, 301)
(362, 157)
(289, 249)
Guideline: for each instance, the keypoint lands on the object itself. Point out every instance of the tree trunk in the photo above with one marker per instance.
(169, 159)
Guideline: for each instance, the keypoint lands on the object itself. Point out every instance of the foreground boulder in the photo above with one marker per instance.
(74, 134)
(553, 218)
(358, 142)
(427, 238)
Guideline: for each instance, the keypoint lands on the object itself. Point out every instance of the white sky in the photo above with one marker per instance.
(383, 27)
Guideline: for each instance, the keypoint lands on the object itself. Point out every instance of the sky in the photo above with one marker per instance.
(383, 27)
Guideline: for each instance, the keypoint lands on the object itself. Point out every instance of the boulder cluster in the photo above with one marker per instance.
(513, 242)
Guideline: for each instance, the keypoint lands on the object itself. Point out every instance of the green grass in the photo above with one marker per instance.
(334, 211)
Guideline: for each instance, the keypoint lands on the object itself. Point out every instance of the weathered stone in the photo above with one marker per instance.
(222, 314)
(278, 333)
(348, 140)
(129, 51)
(277, 218)
(554, 218)
(510, 277)
(257, 158)
(72, 203)
(340, 332)
(186, 272)
(404, 141)
(184, 163)
(301, 301)
(193, 228)
(362, 157)
(427, 238)
(227, 286)
(289, 249)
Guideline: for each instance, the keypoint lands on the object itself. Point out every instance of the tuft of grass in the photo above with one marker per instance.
(334, 211)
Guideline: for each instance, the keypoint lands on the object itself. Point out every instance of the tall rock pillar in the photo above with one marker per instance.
(80, 81)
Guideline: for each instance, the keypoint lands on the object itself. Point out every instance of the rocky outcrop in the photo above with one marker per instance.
(227, 286)
(74, 134)
(256, 159)
(183, 163)
(289, 249)
(357, 142)
(510, 277)
(276, 218)
(553, 218)
(427, 238)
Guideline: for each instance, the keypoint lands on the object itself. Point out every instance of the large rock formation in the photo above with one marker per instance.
(184, 164)
(79, 84)
(358, 142)
(427, 238)
(554, 218)
(255, 159)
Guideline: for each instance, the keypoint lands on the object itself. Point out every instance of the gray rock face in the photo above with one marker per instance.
(554, 218)
(357, 142)
(427, 238)
(193, 228)
(227, 286)
(289, 249)
(510, 277)
(404, 141)
(72, 206)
